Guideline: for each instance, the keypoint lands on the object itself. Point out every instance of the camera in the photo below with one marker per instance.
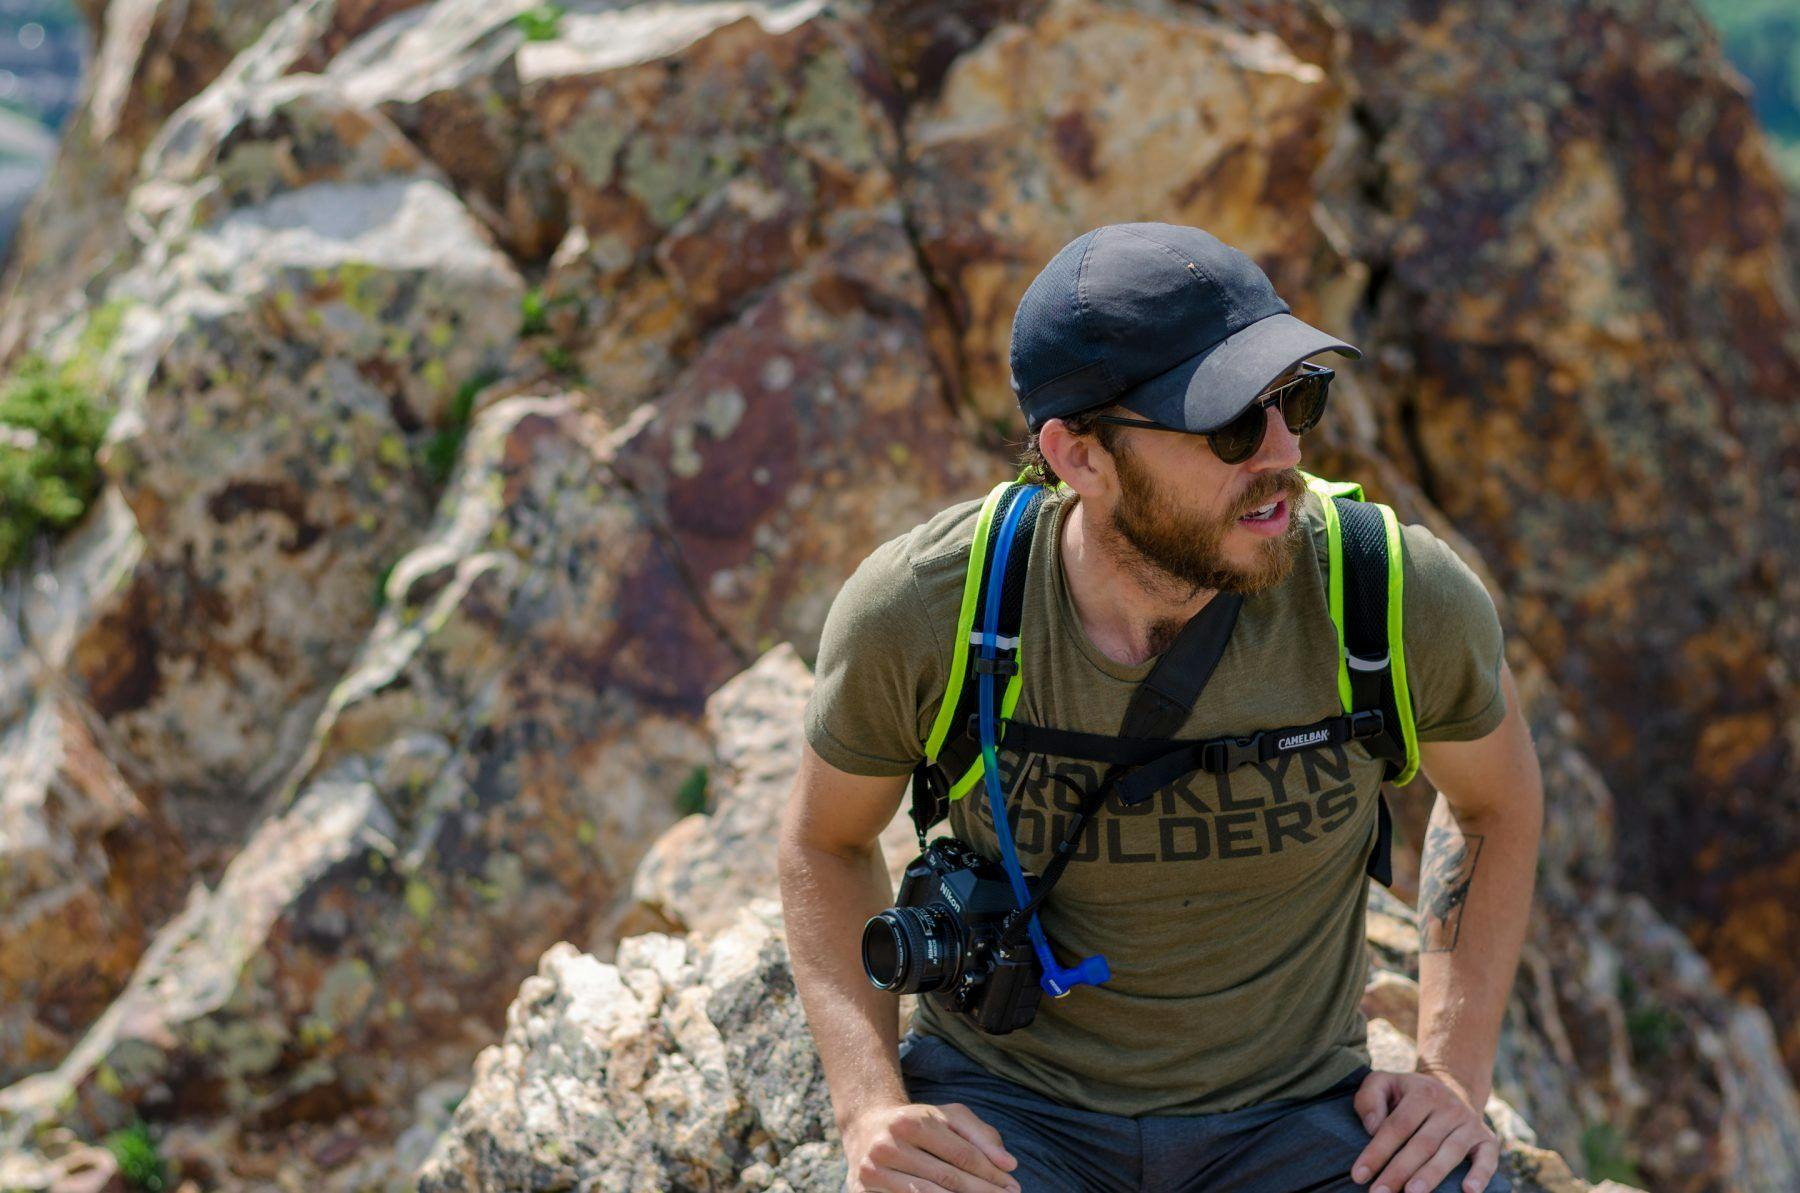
(941, 937)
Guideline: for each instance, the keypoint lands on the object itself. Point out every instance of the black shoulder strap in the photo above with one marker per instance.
(1366, 624)
(1158, 708)
(1365, 548)
(1163, 701)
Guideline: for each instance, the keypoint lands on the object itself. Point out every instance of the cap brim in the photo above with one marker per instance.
(1204, 391)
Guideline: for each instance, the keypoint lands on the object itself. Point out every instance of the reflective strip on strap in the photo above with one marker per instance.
(1357, 663)
(1000, 640)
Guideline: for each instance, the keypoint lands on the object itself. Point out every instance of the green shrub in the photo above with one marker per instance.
(1649, 1025)
(539, 24)
(51, 425)
(438, 456)
(692, 796)
(1603, 1149)
(137, 1157)
(531, 313)
(559, 360)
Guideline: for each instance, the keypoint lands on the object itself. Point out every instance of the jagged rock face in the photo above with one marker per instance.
(150, 58)
(779, 244)
(87, 873)
(1586, 319)
(306, 347)
(680, 1067)
(710, 865)
(1087, 113)
(510, 734)
(686, 1064)
(478, 788)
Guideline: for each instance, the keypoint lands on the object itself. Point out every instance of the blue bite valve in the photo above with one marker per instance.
(1092, 971)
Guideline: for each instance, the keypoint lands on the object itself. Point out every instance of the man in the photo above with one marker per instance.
(1228, 1049)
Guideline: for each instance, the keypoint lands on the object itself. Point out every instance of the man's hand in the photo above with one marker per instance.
(916, 1148)
(1428, 1120)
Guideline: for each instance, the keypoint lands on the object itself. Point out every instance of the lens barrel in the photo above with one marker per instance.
(912, 950)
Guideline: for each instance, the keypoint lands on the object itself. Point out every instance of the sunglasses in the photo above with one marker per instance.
(1302, 402)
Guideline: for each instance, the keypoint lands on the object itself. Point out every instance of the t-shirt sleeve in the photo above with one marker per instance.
(877, 679)
(1453, 643)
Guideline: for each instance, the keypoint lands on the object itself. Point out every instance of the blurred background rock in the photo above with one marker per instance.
(432, 432)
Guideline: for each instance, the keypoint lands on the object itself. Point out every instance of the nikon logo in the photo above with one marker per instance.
(1304, 739)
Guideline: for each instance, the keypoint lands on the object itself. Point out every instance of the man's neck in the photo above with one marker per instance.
(1131, 614)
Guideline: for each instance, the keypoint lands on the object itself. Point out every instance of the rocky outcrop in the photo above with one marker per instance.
(711, 864)
(678, 1067)
(1614, 1019)
(87, 873)
(495, 387)
(1586, 315)
(686, 1063)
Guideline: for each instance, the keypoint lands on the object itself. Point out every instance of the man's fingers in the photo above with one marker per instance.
(970, 1126)
(1450, 1153)
(1372, 1100)
(1482, 1166)
(899, 1164)
(1408, 1160)
(1395, 1130)
(890, 1167)
(952, 1159)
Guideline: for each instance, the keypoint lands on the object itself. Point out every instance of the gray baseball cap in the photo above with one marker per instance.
(1169, 321)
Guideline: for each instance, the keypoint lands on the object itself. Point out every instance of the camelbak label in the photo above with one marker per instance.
(1304, 739)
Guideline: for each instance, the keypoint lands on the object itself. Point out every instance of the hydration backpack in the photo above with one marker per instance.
(1364, 596)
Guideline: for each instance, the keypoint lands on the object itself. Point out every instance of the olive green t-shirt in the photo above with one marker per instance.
(1230, 908)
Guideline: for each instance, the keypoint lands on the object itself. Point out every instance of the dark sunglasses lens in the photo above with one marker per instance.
(1304, 402)
(1238, 439)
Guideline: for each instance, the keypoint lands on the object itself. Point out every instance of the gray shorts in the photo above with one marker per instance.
(1282, 1146)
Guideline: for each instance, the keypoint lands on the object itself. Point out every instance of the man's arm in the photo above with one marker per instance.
(833, 879)
(1476, 875)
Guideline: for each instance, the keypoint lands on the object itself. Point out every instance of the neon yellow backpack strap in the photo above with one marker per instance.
(1334, 537)
(973, 577)
(965, 622)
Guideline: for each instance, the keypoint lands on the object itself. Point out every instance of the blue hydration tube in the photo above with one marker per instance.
(1055, 980)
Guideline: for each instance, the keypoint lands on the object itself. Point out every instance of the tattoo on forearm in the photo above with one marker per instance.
(1445, 868)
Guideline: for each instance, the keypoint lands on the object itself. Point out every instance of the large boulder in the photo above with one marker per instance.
(1616, 1030)
(479, 785)
(288, 365)
(88, 870)
(686, 1064)
(719, 295)
(700, 874)
(1585, 313)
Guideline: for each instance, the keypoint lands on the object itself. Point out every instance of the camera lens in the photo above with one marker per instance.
(911, 950)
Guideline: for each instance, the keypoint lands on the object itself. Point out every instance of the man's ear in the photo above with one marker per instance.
(1078, 460)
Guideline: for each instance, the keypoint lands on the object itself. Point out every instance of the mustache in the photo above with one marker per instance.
(1286, 484)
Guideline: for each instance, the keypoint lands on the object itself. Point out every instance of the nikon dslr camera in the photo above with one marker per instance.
(941, 939)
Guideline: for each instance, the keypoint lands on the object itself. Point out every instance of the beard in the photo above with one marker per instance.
(1168, 545)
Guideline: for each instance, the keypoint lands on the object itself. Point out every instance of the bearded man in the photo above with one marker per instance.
(1165, 386)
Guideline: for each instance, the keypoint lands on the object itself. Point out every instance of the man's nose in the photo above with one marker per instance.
(1280, 447)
